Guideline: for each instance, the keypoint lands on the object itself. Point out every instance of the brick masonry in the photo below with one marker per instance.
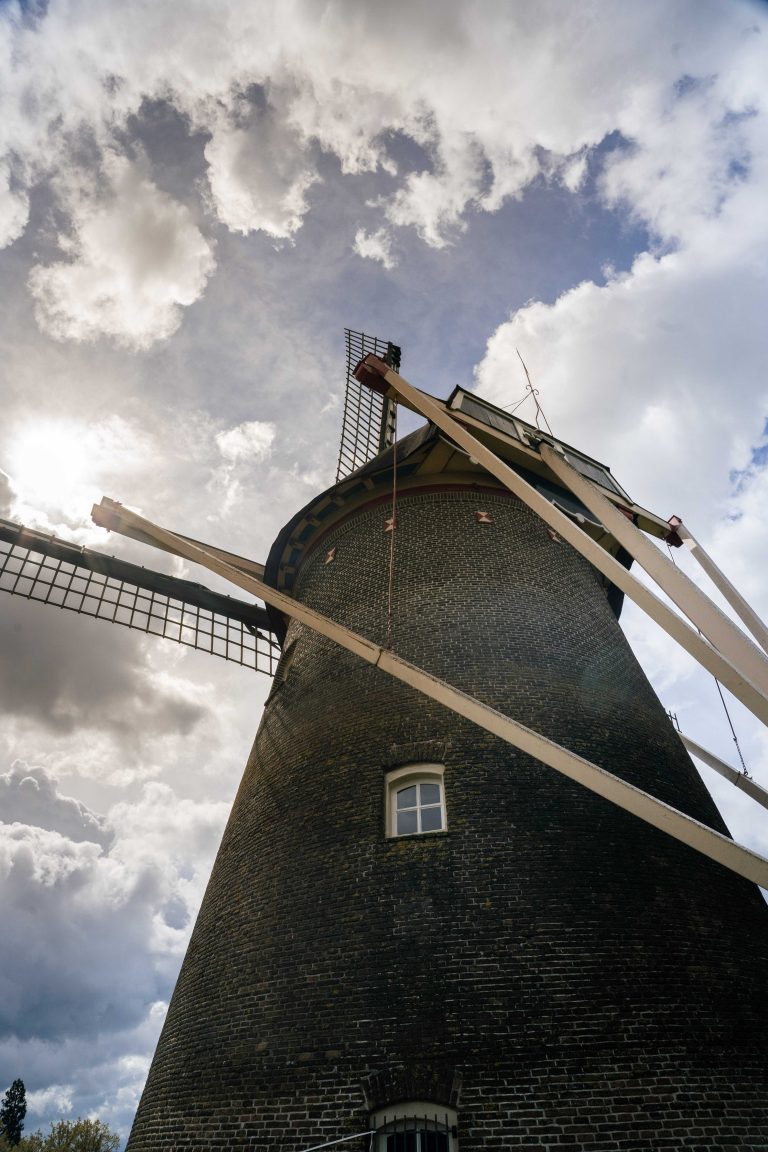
(588, 982)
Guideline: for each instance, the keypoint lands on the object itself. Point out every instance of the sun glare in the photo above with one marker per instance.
(51, 469)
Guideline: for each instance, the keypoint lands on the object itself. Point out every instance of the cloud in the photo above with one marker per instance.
(95, 934)
(241, 448)
(28, 795)
(259, 174)
(507, 97)
(14, 208)
(134, 258)
(7, 495)
(434, 201)
(59, 468)
(97, 1075)
(375, 246)
(56, 1098)
(664, 363)
(250, 441)
(673, 188)
(573, 172)
(116, 695)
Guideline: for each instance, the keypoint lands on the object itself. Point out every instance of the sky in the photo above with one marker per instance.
(195, 199)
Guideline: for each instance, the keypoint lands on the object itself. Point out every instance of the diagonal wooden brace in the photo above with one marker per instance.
(721, 632)
(720, 667)
(655, 812)
(745, 783)
(746, 614)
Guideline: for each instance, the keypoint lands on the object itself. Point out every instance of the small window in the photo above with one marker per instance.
(415, 800)
(419, 1141)
(595, 472)
(488, 414)
(415, 1127)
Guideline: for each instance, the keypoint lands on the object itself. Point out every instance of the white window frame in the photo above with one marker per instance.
(401, 1117)
(406, 777)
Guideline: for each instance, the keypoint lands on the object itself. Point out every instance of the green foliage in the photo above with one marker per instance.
(72, 1136)
(12, 1112)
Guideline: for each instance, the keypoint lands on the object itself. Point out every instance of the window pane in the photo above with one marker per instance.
(406, 797)
(592, 472)
(489, 415)
(430, 793)
(402, 1142)
(434, 1141)
(406, 822)
(431, 819)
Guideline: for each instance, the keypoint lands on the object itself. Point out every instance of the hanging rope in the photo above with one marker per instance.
(393, 529)
(744, 771)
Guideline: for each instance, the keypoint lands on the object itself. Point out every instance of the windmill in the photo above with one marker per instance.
(416, 937)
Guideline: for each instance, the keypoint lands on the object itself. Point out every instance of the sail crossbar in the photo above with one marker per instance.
(49, 570)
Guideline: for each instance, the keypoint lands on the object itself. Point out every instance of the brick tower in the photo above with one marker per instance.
(414, 929)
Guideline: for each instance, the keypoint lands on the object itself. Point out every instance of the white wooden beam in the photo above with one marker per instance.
(740, 606)
(717, 847)
(714, 624)
(718, 665)
(746, 783)
(111, 518)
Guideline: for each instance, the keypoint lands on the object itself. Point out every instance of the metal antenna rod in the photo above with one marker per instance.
(534, 392)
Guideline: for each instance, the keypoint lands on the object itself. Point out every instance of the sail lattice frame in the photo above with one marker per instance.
(368, 424)
(53, 571)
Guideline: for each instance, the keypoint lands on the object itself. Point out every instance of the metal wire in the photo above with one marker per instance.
(533, 393)
(744, 770)
(368, 423)
(55, 572)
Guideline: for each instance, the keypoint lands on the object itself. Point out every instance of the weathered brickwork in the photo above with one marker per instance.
(589, 982)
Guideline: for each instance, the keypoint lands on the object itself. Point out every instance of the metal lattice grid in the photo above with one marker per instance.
(368, 424)
(53, 571)
(408, 1133)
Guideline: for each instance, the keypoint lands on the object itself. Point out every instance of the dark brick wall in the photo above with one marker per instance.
(591, 983)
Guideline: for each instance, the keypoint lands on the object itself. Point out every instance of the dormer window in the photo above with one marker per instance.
(415, 799)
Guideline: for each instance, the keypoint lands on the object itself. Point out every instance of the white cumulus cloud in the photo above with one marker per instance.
(259, 175)
(250, 441)
(493, 96)
(241, 448)
(375, 246)
(133, 258)
(14, 208)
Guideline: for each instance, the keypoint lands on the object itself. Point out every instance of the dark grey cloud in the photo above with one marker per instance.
(72, 923)
(43, 677)
(95, 912)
